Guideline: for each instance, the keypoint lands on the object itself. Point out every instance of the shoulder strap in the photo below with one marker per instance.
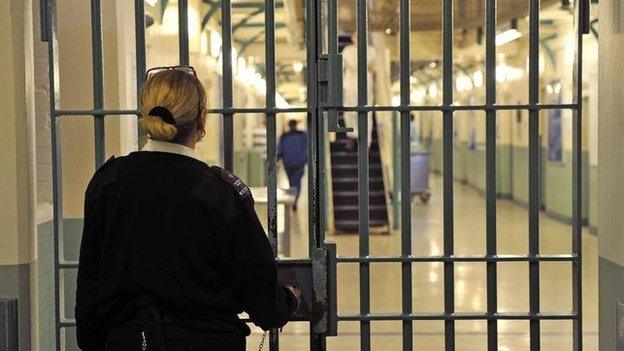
(242, 191)
(105, 175)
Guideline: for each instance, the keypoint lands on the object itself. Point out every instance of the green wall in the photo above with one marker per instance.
(512, 177)
(45, 281)
(72, 229)
(469, 165)
(250, 167)
(593, 199)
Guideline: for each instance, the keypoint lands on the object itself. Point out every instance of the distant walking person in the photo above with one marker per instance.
(293, 151)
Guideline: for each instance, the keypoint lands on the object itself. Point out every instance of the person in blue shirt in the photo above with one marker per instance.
(292, 150)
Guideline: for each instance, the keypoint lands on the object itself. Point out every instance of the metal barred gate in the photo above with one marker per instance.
(324, 103)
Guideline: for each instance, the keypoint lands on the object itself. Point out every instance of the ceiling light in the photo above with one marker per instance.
(477, 78)
(169, 21)
(507, 37)
(433, 91)
(396, 100)
(298, 66)
(215, 44)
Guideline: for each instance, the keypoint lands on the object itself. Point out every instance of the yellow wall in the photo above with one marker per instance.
(17, 185)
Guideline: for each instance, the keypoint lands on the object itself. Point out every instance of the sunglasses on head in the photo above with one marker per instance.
(186, 69)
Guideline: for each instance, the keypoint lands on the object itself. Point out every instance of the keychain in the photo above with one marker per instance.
(264, 335)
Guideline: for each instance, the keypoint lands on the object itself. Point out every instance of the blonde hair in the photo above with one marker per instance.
(179, 92)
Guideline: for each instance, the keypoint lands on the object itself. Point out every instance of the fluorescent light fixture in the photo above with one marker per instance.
(298, 67)
(242, 64)
(193, 22)
(169, 24)
(433, 91)
(234, 61)
(203, 43)
(215, 44)
(151, 2)
(477, 78)
(396, 100)
(463, 83)
(507, 36)
(558, 88)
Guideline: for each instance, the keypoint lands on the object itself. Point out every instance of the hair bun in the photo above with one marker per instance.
(163, 113)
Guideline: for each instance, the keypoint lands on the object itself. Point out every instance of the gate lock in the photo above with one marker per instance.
(330, 89)
(316, 278)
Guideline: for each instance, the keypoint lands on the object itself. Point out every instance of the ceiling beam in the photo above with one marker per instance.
(278, 25)
(246, 19)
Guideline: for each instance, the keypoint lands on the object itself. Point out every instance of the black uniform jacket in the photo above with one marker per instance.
(186, 235)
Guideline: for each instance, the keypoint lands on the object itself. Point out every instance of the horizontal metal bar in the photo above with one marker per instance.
(451, 108)
(456, 316)
(70, 323)
(67, 323)
(96, 112)
(460, 258)
(74, 264)
(256, 110)
(67, 264)
(441, 108)
(278, 25)
(254, 4)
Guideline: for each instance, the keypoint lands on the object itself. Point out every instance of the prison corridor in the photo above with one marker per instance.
(470, 279)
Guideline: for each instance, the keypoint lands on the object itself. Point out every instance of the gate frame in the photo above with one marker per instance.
(317, 129)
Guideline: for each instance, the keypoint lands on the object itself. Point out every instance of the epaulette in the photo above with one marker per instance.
(243, 193)
(106, 164)
(106, 174)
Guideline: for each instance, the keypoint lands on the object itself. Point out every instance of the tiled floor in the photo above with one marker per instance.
(470, 280)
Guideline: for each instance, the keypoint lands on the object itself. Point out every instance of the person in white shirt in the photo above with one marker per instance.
(350, 85)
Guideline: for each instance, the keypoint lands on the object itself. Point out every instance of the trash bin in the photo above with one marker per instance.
(419, 181)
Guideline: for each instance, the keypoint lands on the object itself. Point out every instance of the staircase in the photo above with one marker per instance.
(344, 170)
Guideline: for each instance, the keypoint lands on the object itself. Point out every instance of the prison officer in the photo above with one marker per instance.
(172, 250)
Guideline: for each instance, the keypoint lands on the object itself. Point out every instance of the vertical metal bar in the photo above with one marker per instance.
(312, 86)
(332, 23)
(139, 29)
(406, 208)
(322, 175)
(98, 80)
(328, 115)
(581, 17)
(490, 97)
(396, 176)
(183, 39)
(447, 86)
(269, 19)
(363, 175)
(269, 40)
(228, 122)
(139, 33)
(313, 8)
(57, 193)
(43, 19)
(534, 149)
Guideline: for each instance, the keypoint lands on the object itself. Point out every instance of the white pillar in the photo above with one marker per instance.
(610, 167)
(17, 182)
